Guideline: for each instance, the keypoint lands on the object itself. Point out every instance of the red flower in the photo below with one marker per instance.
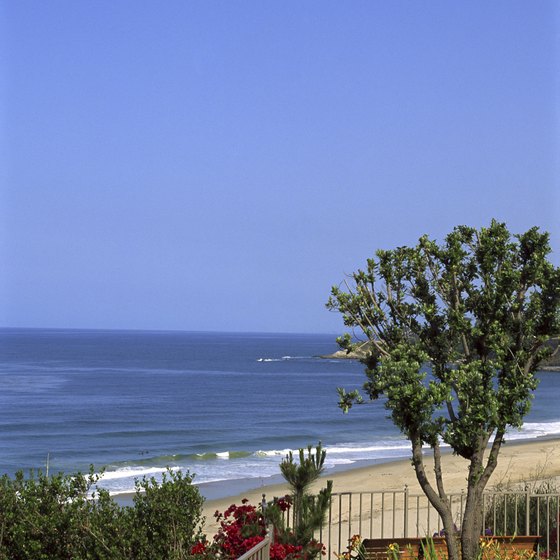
(198, 548)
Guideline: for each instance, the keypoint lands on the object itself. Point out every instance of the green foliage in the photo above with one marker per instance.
(309, 510)
(43, 518)
(166, 516)
(55, 518)
(479, 309)
(300, 476)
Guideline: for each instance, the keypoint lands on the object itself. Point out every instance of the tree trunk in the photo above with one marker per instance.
(437, 499)
(473, 516)
(451, 539)
(472, 525)
(479, 475)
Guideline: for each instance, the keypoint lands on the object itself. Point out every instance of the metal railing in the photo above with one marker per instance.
(400, 514)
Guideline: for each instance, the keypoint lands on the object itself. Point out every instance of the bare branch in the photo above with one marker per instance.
(456, 304)
(492, 458)
(438, 471)
(364, 323)
(451, 411)
(441, 505)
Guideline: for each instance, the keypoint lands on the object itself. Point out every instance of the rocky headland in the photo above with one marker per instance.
(550, 364)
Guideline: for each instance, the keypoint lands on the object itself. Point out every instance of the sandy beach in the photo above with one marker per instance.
(518, 462)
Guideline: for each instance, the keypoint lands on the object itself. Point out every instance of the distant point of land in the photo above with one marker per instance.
(550, 364)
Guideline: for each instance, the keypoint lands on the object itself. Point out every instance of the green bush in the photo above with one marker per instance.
(55, 518)
(166, 517)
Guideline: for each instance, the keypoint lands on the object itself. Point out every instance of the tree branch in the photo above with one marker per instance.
(441, 506)
(451, 411)
(438, 471)
(365, 324)
(492, 458)
(456, 303)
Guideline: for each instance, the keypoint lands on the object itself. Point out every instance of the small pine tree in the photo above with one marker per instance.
(308, 510)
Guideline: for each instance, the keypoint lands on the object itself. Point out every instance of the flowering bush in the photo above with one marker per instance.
(491, 549)
(200, 549)
(242, 527)
(279, 551)
(354, 550)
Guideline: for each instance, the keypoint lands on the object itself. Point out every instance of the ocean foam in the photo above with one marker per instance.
(134, 472)
(285, 358)
(533, 430)
(354, 449)
(272, 452)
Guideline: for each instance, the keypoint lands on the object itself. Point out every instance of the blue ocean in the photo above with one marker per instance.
(225, 406)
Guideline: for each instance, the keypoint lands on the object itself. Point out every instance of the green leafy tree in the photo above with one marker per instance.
(478, 309)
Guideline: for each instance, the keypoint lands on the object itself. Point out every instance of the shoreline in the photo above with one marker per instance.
(518, 462)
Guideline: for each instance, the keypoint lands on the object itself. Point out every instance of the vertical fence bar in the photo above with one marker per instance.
(547, 523)
(505, 513)
(557, 529)
(527, 510)
(405, 509)
(340, 523)
(360, 516)
(382, 514)
(538, 514)
(417, 516)
(349, 515)
(329, 548)
(393, 516)
(371, 515)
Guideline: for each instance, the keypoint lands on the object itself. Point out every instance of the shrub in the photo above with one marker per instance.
(55, 518)
(166, 517)
(43, 518)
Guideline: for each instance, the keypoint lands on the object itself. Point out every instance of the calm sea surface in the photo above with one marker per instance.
(225, 406)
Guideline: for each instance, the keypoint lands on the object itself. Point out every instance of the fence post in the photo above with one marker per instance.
(527, 508)
(405, 507)
(383, 514)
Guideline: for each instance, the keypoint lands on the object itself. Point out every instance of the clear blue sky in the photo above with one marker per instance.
(218, 165)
